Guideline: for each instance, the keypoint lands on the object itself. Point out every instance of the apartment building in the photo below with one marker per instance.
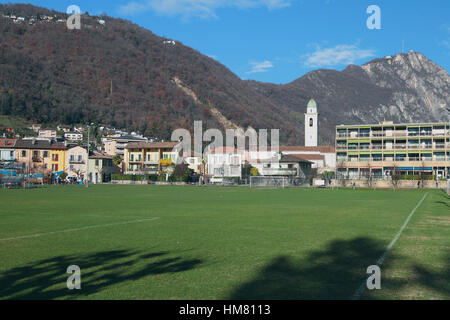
(380, 149)
(150, 157)
(116, 146)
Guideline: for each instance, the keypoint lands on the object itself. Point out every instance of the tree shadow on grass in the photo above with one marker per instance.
(333, 273)
(336, 272)
(46, 279)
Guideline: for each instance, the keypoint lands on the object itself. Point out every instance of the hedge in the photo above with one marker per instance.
(132, 177)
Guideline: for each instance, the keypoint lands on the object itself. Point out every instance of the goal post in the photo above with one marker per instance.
(277, 182)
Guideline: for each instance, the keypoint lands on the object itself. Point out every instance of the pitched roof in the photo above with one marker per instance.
(321, 149)
(291, 158)
(309, 156)
(97, 155)
(39, 144)
(7, 143)
(151, 145)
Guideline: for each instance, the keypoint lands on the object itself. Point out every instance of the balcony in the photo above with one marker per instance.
(37, 159)
(165, 162)
(76, 161)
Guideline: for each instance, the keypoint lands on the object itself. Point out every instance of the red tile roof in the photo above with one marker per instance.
(7, 143)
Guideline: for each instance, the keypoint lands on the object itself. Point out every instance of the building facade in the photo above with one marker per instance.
(116, 146)
(7, 151)
(47, 133)
(100, 168)
(76, 158)
(41, 155)
(286, 166)
(323, 158)
(378, 150)
(73, 136)
(224, 162)
(150, 157)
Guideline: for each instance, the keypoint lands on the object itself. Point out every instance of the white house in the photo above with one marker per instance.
(224, 162)
(73, 136)
(323, 158)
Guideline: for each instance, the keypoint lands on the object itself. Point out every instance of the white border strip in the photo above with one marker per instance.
(77, 229)
(380, 261)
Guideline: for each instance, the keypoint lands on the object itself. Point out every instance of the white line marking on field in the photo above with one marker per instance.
(380, 261)
(78, 229)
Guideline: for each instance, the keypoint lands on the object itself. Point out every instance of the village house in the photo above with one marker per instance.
(73, 136)
(41, 155)
(150, 157)
(76, 158)
(101, 168)
(47, 133)
(7, 151)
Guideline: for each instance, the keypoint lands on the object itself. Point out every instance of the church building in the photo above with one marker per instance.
(322, 157)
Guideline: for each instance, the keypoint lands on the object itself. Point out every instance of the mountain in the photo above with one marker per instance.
(403, 88)
(121, 74)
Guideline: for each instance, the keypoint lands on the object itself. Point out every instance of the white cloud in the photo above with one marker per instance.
(258, 67)
(339, 55)
(197, 8)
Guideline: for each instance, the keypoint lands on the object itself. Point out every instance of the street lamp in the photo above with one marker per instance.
(87, 160)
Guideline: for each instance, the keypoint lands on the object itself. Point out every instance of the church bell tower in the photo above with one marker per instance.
(311, 124)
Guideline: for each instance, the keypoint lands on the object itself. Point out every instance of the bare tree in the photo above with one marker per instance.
(368, 177)
(395, 178)
(340, 179)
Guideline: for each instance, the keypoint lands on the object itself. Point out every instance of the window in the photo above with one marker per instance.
(96, 162)
(24, 153)
(54, 157)
(80, 158)
(311, 122)
(45, 154)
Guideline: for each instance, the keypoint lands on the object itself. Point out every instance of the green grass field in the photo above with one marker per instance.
(221, 243)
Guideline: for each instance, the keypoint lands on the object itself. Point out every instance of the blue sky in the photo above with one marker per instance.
(281, 40)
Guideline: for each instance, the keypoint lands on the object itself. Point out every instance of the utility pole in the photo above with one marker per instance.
(87, 160)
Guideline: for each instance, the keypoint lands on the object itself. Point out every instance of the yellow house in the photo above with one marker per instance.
(41, 155)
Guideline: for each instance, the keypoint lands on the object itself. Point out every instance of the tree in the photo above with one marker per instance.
(117, 160)
(254, 172)
(181, 173)
(395, 178)
(63, 176)
(368, 176)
